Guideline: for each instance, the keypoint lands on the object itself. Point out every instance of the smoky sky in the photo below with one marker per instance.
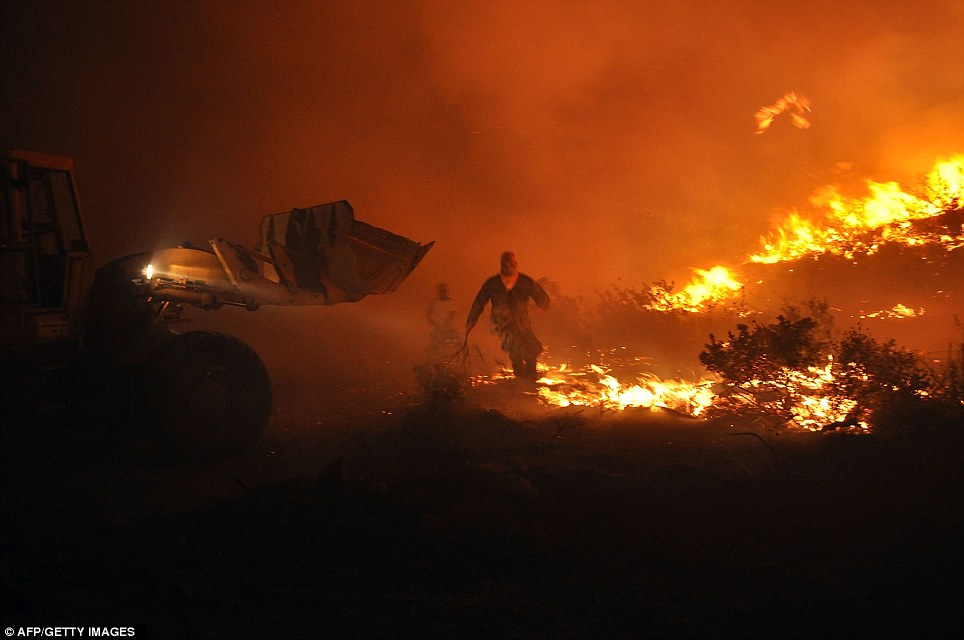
(603, 142)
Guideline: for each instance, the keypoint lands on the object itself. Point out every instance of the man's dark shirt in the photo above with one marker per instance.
(510, 309)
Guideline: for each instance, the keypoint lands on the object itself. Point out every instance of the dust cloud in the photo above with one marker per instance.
(604, 142)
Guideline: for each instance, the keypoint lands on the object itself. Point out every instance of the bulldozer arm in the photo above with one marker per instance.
(325, 249)
(319, 255)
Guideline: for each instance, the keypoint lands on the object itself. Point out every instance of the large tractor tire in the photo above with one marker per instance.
(206, 395)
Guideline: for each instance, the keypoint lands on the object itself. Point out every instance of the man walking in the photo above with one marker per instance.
(509, 292)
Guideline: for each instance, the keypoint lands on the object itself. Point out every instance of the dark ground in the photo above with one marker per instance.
(390, 517)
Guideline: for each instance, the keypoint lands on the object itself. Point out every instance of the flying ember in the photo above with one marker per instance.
(796, 105)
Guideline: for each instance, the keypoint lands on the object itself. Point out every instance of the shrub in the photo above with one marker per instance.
(795, 368)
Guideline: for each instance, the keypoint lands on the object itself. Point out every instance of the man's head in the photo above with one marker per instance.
(508, 265)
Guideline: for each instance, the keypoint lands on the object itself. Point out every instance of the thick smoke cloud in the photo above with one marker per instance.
(603, 141)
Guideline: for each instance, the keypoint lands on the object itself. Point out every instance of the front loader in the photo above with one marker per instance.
(110, 340)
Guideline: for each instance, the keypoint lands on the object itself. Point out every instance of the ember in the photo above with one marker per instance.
(795, 105)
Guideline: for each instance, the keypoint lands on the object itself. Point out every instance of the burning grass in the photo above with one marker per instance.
(798, 371)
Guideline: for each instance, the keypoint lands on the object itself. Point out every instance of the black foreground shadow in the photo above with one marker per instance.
(446, 520)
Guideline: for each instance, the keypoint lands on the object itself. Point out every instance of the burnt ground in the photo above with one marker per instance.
(387, 516)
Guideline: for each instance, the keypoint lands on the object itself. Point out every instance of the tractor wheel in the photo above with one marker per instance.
(206, 395)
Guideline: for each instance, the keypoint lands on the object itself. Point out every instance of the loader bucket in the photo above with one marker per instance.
(327, 251)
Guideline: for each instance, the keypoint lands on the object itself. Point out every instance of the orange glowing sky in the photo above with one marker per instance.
(602, 141)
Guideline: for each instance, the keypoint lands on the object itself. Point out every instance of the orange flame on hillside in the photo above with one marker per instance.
(847, 227)
(851, 226)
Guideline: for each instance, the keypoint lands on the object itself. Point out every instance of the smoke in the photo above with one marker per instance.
(603, 142)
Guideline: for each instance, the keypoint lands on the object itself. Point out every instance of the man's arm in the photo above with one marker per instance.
(481, 298)
(539, 295)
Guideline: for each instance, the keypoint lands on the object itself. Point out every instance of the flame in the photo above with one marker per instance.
(851, 226)
(945, 183)
(813, 402)
(707, 288)
(793, 103)
(595, 386)
(897, 311)
(848, 226)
